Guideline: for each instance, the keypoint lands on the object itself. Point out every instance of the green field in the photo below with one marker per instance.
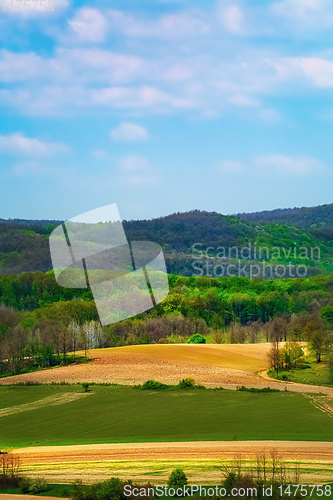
(125, 414)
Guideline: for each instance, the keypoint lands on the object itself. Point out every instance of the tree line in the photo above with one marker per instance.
(40, 322)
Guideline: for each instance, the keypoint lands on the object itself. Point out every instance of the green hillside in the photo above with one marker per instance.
(296, 237)
(118, 414)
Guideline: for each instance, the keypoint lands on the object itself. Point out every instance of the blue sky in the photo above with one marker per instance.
(164, 106)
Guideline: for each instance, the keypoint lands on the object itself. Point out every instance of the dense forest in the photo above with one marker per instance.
(183, 236)
(41, 322)
(305, 217)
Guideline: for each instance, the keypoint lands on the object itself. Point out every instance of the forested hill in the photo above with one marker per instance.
(178, 232)
(305, 217)
(24, 244)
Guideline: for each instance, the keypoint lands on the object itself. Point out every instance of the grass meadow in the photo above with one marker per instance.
(64, 415)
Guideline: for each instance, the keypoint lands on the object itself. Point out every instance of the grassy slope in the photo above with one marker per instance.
(315, 374)
(124, 414)
(310, 372)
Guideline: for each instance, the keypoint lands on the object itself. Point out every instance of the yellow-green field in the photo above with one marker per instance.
(199, 471)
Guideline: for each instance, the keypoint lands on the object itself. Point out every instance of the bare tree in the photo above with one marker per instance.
(275, 357)
(9, 465)
(13, 348)
(65, 341)
(74, 333)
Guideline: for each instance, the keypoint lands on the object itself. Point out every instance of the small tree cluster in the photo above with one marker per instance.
(290, 356)
(269, 469)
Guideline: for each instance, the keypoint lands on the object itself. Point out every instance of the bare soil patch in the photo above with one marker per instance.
(211, 365)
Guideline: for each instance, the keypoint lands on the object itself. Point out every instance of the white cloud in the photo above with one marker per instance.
(318, 71)
(290, 165)
(304, 17)
(314, 70)
(244, 101)
(274, 164)
(296, 8)
(94, 65)
(177, 25)
(17, 67)
(168, 76)
(92, 78)
(232, 18)
(19, 144)
(89, 25)
(129, 132)
(137, 171)
(142, 97)
(178, 73)
(70, 65)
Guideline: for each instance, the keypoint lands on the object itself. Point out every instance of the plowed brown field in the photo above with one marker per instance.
(211, 365)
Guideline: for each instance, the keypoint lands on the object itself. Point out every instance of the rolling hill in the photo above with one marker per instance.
(24, 243)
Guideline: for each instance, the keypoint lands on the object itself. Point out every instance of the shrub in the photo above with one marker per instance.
(292, 355)
(186, 383)
(38, 485)
(85, 386)
(79, 490)
(196, 339)
(177, 479)
(110, 489)
(242, 388)
(153, 385)
(217, 336)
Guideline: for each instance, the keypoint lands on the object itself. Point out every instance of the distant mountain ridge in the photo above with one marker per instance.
(304, 217)
(24, 243)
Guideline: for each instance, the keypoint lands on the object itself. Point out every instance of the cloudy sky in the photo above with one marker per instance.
(163, 106)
